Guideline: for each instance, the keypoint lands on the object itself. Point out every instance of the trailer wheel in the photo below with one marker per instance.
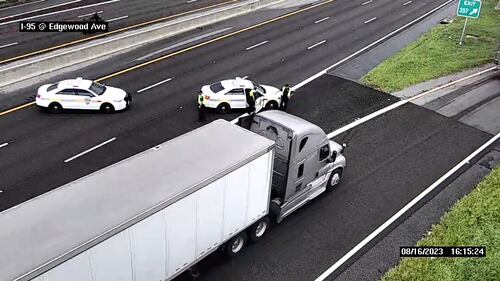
(236, 244)
(258, 229)
(334, 179)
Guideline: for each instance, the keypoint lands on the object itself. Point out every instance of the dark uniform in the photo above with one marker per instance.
(250, 96)
(201, 108)
(95, 17)
(286, 94)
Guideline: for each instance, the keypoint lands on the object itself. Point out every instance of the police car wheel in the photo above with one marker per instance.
(55, 107)
(107, 108)
(271, 105)
(223, 108)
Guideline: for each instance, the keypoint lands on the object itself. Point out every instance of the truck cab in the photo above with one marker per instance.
(306, 162)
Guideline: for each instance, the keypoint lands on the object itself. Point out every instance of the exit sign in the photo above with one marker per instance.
(469, 8)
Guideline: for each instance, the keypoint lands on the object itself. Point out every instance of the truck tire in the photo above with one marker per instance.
(258, 229)
(334, 179)
(236, 244)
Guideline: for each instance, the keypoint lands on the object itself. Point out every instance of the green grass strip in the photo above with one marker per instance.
(473, 221)
(438, 53)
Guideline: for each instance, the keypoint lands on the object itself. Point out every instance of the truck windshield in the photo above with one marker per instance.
(97, 88)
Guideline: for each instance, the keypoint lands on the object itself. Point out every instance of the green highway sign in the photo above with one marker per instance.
(469, 8)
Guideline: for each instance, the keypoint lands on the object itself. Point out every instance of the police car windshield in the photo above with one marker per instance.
(259, 87)
(216, 87)
(97, 88)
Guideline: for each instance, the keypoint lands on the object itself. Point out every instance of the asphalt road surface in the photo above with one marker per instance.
(390, 159)
(119, 14)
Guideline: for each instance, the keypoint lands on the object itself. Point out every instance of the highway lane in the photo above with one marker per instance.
(119, 14)
(391, 159)
(39, 143)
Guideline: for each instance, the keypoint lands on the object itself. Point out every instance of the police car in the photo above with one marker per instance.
(230, 94)
(82, 94)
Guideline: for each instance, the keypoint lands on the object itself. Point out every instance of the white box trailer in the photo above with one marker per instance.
(148, 217)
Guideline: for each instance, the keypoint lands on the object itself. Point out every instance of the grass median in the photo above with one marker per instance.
(438, 53)
(473, 221)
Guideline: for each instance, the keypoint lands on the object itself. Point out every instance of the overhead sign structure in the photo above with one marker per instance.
(469, 8)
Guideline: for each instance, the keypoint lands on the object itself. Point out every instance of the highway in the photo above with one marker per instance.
(118, 13)
(391, 158)
(39, 143)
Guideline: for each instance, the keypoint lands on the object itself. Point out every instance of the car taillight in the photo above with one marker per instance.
(207, 97)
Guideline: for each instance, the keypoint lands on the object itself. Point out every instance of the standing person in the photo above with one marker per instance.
(250, 96)
(201, 108)
(286, 94)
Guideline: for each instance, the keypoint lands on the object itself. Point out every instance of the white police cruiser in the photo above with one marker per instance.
(229, 94)
(82, 94)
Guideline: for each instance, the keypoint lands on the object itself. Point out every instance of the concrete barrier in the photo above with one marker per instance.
(58, 59)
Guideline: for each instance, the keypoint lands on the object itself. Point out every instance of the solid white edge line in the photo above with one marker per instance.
(316, 45)
(20, 5)
(370, 20)
(323, 19)
(41, 9)
(118, 18)
(324, 71)
(86, 15)
(415, 200)
(89, 150)
(245, 77)
(191, 1)
(59, 12)
(256, 45)
(154, 85)
(401, 102)
(4, 144)
(367, 2)
(452, 83)
(369, 46)
(407, 3)
(8, 45)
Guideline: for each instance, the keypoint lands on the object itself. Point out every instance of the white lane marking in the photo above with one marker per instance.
(407, 3)
(366, 3)
(245, 77)
(8, 45)
(41, 9)
(368, 46)
(191, 1)
(323, 19)
(154, 85)
(370, 20)
(59, 12)
(324, 71)
(400, 103)
(4, 144)
(185, 42)
(404, 210)
(20, 5)
(256, 45)
(89, 150)
(86, 15)
(316, 45)
(118, 18)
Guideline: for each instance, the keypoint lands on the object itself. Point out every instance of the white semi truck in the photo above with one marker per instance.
(156, 214)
